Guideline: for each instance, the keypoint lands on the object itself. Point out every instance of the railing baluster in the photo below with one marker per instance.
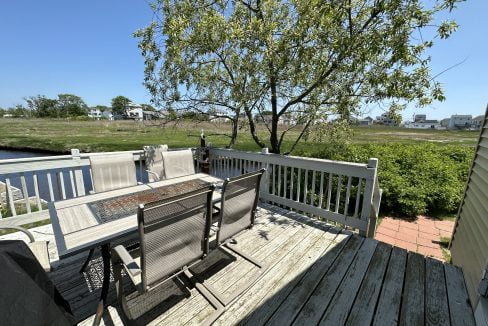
(338, 195)
(329, 191)
(61, 185)
(72, 181)
(298, 184)
(274, 179)
(312, 196)
(292, 170)
(25, 193)
(50, 185)
(305, 187)
(358, 197)
(348, 194)
(10, 197)
(140, 169)
(36, 191)
(321, 195)
(279, 181)
(285, 181)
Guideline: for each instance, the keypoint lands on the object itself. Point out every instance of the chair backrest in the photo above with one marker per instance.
(238, 207)
(154, 161)
(178, 163)
(173, 233)
(113, 172)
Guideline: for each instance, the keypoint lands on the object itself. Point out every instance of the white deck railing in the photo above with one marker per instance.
(347, 193)
(343, 192)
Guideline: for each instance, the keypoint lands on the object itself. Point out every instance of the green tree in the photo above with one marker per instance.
(310, 58)
(41, 106)
(70, 105)
(119, 104)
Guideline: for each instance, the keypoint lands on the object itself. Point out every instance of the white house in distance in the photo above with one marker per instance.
(420, 121)
(460, 121)
(368, 121)
(97, 114)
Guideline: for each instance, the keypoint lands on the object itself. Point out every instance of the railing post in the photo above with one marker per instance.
(78, 173)
(367, 212)
(264, 189)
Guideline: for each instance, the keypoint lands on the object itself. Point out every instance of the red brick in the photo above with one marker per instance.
(388, 226)
(406, 245)
(410, 232)
(444, 225)
(386, 231)
(391, 224)
(409, 225)
(427, 243)
(407, 237)
(391, 220)
(431, 252)
(429, 230)
(425, 223)
(385, 238)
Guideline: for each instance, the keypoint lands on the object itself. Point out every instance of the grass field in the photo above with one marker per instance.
(92, 136)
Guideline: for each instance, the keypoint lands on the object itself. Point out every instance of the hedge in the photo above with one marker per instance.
(416, 178)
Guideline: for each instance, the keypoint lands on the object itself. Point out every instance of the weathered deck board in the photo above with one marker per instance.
(436, 305)
(459, 306)
(315, 273)
(388, 310)
(412, 312)
(362, 310)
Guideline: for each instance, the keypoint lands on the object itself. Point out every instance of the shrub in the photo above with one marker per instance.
(415, 178)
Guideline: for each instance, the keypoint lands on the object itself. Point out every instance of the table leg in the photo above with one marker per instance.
(105, 285)
(88, 258)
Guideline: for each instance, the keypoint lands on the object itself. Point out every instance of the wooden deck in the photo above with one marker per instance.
(316, 274)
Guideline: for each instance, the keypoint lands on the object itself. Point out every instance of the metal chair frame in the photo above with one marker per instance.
(121, 258)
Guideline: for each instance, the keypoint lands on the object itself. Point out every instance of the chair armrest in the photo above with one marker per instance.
(18, 228)
(156, 176)
(120, 254)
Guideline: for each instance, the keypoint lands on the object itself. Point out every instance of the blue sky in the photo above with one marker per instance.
(86, 48)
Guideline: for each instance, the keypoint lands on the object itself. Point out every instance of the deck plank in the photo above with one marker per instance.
(436, 305)
(293, 303)
(413, 295)
(348, 289)
(312, 275)
(388, 307)
(459, 303)
(312, 311)
(235, 274)
(268, 291)
(362, 311)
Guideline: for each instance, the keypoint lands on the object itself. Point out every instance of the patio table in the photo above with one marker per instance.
(88, 222)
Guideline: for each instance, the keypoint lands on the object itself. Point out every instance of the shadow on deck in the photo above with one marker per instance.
(316, 274)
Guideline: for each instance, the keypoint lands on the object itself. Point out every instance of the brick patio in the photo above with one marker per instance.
(421, 235)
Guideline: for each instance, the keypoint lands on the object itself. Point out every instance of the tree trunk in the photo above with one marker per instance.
(273, 139)
(235, 128)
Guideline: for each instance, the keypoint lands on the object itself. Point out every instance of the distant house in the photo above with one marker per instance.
(460, 121)
(445, 122)
(97, 114)
(477, 122)
(385, 119)
(419, 118)
(368, 121)
(424, 124)
(284, 120)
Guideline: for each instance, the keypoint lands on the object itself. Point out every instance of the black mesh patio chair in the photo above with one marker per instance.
(240, 197)
(174, 235)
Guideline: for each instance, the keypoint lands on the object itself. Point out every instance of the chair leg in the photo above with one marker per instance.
(88, 258)
(207, 294)
(226, 301)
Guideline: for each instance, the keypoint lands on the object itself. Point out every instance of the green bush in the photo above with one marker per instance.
(415, 178)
